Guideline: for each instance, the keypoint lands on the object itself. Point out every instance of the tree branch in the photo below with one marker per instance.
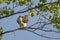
(30, 28)
(42, 35)
(26, 10)
(33, 32)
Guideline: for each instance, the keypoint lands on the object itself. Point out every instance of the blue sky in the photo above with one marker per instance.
(11, 23)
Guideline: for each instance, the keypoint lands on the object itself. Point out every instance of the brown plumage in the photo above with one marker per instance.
(25, 19)
(22, 21)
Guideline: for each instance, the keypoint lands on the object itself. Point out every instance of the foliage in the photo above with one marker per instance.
(1, 31)
(52, 8)
(42, 6)
(31, 13)
(6, 12)
(1, 1)
(57, 25)
(22, 2)
(57, 22)
(43, 1)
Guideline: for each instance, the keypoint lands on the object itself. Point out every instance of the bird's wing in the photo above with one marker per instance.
(25, 19)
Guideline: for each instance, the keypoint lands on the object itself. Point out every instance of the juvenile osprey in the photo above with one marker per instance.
(22, 21)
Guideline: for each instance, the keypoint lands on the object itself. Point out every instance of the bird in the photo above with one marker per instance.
(22, 21)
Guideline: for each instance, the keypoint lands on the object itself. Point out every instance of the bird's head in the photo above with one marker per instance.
(19, 16)
(26, 15)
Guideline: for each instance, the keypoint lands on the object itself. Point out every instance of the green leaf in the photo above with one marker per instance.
(54, 20)
(28, 0)
(1, 14)
(31, 13)
(14, 0)
(7, 2)
(39, 5)
(44, 9)
(1, 1)
(1, 31)
(53, 8)
(50, 16)
(21, 2)
(43, 1)
(6, 12)
(58, 19)
(57, 26)
(56, 12)
(50, 8)
(12, 12)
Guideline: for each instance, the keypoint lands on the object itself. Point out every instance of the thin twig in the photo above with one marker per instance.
(26, 10)
(42, 35)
